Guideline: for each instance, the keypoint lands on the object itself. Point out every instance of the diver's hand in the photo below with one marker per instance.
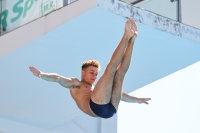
(143, 100)
(35, 71)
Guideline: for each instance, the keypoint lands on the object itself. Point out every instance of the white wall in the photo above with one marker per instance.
(10, 126)
(174, 105)
(190, 12)
(161, 7)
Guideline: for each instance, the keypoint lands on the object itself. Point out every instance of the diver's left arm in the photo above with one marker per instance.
(131, 99)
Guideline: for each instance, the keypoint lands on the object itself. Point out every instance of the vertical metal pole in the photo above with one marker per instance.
(65, 2)
(179, 12)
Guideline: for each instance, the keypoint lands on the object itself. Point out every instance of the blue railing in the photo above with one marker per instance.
(16, 13)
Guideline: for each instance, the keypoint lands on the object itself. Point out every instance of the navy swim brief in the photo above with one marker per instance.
(103, 110)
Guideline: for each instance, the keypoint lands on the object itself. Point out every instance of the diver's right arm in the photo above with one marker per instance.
(53, 77)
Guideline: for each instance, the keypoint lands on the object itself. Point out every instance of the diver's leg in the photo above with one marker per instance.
(122, 69)
(103, 89)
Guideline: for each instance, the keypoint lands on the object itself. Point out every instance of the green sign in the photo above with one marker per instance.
(48, 7)
(19, 12)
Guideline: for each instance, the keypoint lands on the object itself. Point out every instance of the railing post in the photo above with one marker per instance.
(179, 13)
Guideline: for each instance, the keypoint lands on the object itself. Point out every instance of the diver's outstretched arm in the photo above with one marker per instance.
(131, 99)
(53, 77)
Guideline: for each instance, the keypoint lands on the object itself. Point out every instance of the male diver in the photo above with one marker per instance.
(101, 100)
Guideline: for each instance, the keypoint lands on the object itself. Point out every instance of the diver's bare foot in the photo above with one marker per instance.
(134, 28)
(131, 29)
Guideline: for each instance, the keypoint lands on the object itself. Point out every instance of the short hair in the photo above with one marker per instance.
(88, 63)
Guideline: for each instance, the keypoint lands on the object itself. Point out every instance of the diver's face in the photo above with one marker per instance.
(89, 74)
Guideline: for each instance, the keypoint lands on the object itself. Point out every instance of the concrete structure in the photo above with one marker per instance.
(189, 10)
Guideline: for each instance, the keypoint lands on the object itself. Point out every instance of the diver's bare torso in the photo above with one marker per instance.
(82, 94)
